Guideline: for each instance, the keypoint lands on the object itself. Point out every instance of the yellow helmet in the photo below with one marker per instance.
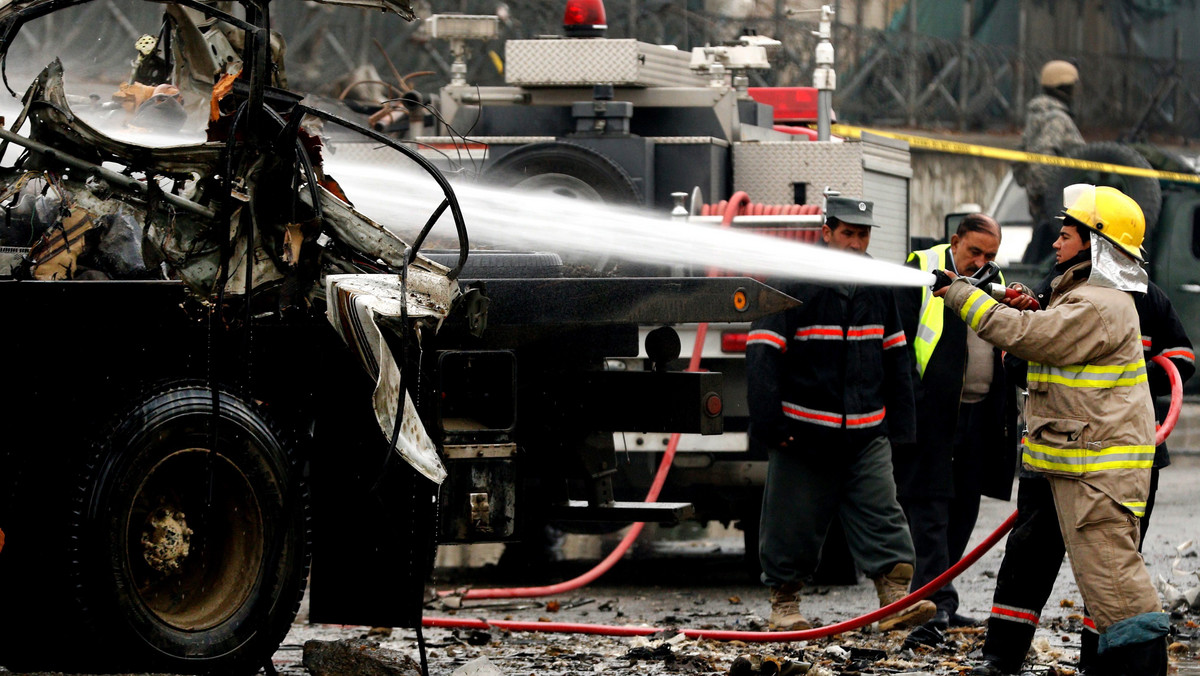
(1059, 73)
(1109, 212)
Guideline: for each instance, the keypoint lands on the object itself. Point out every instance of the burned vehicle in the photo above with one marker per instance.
(227, 384)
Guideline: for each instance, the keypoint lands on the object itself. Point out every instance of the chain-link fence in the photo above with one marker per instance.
(885, 77)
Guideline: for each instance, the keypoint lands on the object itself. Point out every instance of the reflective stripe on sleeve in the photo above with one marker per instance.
(1022, 615)
(1180, 353)
(764, 337)
(895, 340)
(1147, 342)
(977, 304)
(1078, 460)
(1088, 375)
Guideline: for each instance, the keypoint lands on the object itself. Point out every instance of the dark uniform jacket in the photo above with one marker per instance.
(927, 469)
(832, 372)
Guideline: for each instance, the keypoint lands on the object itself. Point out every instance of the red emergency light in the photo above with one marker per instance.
(791, 104)
(585, 19)
(733, 341)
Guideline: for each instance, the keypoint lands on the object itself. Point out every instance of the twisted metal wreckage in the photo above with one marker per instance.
(195, 212)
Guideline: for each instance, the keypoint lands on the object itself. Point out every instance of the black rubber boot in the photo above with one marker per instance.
(1090, 663)
(990, 667)
(1148, 658)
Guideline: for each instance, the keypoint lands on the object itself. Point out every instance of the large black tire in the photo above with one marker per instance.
(565, 169)
(1144, 190)
(182, 559)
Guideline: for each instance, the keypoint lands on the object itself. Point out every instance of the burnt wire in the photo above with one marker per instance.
(460, 225)
(465, 138)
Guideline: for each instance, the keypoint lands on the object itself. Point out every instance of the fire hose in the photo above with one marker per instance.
(954, 571)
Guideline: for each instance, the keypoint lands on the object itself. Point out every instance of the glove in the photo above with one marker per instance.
(1022, 288)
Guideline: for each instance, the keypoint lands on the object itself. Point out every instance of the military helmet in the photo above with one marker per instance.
(1108, 212)
(1059, 74)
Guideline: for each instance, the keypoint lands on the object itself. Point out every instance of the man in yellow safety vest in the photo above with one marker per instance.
(963, 450)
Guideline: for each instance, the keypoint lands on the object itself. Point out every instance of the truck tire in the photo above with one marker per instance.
(485, 264)
(1144, 190)
(185, 560)
(564, 169)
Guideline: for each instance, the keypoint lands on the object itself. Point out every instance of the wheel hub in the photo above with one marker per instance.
(166, 540)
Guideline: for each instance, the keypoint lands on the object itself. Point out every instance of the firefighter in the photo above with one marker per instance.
(1035, 550)
(1089, 415)
(962, 450)
(821, 378)
(1049, 130)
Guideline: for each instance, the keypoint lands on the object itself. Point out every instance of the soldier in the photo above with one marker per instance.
(1049, 130)
(820, 379)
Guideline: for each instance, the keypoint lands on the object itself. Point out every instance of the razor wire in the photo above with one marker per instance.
(886, 78)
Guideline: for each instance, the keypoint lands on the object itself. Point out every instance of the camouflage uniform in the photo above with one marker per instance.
(1049, 130)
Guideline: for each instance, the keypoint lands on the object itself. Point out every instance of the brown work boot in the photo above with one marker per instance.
(892, 587)
(785, 608)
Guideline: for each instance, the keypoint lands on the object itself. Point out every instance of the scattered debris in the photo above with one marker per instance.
(480, 666)
(356, 656)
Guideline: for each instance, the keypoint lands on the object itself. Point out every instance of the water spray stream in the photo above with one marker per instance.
(510, 219)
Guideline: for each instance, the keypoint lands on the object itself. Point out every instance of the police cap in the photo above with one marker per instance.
(849, 210)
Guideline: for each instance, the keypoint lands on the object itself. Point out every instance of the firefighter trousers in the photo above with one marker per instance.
(1033, 556)
(805, 487)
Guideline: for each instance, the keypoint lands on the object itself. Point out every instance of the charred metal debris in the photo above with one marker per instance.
(247, 216)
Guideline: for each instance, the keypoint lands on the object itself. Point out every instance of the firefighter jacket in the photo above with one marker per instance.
(1162, 334)
(833, 371)
(939, 344)
(1089, 415)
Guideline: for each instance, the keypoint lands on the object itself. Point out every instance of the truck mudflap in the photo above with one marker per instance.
(356, 306)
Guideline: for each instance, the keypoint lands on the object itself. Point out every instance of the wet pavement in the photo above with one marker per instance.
(696, 578)
(702, 582)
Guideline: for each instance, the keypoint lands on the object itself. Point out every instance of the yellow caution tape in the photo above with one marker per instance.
(957, 148)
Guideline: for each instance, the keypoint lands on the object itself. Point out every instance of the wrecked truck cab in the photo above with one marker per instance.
(207, 437)
(230, 385)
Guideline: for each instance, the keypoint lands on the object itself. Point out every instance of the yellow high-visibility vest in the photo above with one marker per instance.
(929, 329)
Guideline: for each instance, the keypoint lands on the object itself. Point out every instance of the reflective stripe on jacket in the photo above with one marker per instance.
(1089, 407)
(834, 370)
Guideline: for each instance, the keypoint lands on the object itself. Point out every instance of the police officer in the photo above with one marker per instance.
(1049, 130)
(1090, 417)
(828, 382)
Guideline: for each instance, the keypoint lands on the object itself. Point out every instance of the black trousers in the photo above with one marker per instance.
(941, 527)
(1032, 557)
